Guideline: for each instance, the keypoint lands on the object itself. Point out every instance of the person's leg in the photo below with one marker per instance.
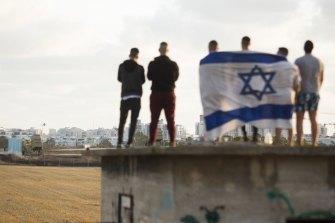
(123, 118)
(312, 111)
(155, 108)
(300, 119)
(254, 134)
(290, 137)
(245, 137)
(135, 110)
(169, 109)
(300, 107)
(278, 134)
(314, 127)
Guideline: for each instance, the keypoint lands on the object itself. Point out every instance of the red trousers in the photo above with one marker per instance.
(158, 101)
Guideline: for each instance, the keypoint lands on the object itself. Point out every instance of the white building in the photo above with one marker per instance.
(323, 130)
(52, 133)
(200, 127)
(181, 133)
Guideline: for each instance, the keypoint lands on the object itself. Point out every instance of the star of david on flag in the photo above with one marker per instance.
(266, 76)
(246, 87)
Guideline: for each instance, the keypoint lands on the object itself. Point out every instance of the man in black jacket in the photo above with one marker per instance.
(131, 75)
(163, 73)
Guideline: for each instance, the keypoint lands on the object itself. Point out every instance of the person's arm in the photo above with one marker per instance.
(321, 77)
(142, 75)
(119, 78)
(297, 84)
(150, 71)
(176, 72)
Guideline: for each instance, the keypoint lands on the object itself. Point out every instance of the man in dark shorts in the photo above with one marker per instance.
(311, 71)
(131, 75)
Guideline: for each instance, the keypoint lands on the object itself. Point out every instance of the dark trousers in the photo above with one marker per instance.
(254, 133)
(133, 104)
(159, 101)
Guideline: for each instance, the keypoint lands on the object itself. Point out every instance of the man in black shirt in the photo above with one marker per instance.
(131, 75)
(163, 73)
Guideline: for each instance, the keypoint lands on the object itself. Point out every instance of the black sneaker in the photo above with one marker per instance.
(119, 146)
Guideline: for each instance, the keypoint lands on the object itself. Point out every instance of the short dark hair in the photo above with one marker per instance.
(213, 43)
(308, 46)
(163, 44)
(246, 40)
(283, 50)
(134, 52)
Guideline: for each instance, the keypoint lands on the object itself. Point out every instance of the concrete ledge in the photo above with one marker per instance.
(234, 149)
(236, 182)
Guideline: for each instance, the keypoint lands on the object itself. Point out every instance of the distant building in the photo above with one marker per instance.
(180, 132)
(52, 133)
(323, 130)
(200, 127)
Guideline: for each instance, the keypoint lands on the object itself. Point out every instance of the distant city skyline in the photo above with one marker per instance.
(59, 59)
(330, 127)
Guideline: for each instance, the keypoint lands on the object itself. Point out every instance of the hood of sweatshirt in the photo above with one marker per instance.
(129, 65)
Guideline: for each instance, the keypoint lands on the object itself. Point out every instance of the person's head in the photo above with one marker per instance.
(213, 46)
(163, 48)
(308, 47)
(245, 43)
(282, 51)
(134, 54)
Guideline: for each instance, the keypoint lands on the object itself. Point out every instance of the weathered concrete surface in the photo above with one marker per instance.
(171, 184)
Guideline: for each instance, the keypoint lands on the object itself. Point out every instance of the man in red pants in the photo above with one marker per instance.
(163, 73)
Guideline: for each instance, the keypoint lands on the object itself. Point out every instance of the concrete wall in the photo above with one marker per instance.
(251, 182)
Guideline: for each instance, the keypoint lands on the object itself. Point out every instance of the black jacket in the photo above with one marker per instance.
(163, 72)
(131, 75)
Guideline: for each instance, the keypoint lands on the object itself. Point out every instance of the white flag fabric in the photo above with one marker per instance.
(246, 87)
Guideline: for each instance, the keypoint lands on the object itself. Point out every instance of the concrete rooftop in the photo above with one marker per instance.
(234, 149)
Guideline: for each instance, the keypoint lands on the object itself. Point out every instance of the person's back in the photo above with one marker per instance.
(311, 72)
(163, 72)
(131, 75)
(310, 69)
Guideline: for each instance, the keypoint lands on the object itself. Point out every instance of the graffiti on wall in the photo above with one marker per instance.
(165, 204)
(211, 216)
(272, 195)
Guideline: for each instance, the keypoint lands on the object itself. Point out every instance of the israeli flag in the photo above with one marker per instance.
(246, 87)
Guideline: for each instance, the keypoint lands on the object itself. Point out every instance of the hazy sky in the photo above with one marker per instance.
(59, 58)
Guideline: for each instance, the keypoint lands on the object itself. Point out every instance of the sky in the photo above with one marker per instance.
(59, 58)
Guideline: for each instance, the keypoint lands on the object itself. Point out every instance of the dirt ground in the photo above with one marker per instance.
(49, 194)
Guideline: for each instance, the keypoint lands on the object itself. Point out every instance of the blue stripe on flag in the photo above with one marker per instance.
(267, 111)
(240, 57)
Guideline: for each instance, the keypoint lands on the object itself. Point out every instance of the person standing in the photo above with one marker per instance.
(283, 51)
(245, 44)
(311, 71)
(163, 73)
(132, 77)
(213, 47)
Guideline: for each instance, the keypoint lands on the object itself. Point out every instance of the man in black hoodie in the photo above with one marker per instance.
(131, 75)
(163, 73)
